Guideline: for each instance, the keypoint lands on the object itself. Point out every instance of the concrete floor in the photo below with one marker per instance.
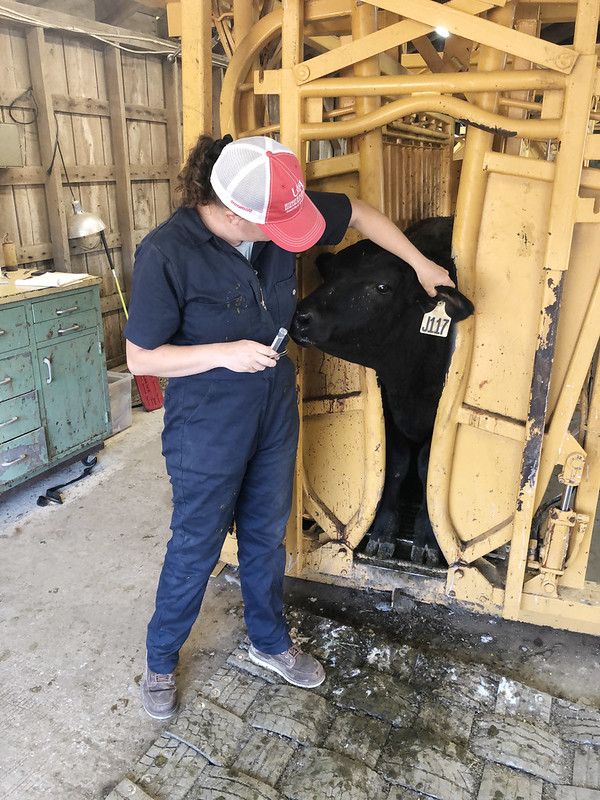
(77, 590)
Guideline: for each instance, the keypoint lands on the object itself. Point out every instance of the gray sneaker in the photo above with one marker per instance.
(298, 668)
(159, 694)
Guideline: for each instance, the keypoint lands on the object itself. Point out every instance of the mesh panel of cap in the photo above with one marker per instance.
(243, 175)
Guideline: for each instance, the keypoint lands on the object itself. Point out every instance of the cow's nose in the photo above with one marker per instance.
(302, 320)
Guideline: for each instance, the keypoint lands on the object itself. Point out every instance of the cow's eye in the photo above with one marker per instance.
(383, 288)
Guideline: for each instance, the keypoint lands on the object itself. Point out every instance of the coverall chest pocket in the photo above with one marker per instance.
(226, 320)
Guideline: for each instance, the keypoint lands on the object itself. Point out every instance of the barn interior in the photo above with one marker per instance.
(482, 109)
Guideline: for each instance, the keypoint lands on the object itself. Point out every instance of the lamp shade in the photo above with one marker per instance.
(81, 223)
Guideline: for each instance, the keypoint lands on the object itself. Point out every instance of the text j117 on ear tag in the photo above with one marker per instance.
(436, 322)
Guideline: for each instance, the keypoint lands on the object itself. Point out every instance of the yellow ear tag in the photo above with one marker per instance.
(436, 322)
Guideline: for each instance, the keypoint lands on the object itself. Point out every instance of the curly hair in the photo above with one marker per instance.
(194, 179)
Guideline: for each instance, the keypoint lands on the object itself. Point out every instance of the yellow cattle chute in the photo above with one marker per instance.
(358, 91)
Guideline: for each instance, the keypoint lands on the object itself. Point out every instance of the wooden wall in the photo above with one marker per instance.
(118, 119)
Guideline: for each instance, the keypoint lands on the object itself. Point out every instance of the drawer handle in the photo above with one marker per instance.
(5, 381)
(8, 421)
(74, 327)
(71, 310)
(2, 333)
(15, 460)
(48, 363)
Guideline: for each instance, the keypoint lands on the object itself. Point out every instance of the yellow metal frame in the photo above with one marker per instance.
(525, 244)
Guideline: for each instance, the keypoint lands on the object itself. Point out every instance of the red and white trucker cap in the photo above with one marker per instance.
(261, 181)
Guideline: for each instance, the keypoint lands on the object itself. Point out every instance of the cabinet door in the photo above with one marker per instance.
(73, 392)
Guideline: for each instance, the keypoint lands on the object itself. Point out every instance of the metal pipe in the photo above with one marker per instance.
(442, 83)
(459, 109)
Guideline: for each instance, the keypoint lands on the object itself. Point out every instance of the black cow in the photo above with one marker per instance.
(369, 310)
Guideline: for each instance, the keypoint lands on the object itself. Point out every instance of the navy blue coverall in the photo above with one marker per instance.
(229, 438)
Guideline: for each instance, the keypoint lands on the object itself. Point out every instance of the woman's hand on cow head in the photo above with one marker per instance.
(431, 275)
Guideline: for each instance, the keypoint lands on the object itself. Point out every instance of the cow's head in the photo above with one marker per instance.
(371, 302)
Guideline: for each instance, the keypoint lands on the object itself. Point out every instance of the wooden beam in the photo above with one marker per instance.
(92, 173)
(114, 12)
(171, 73)
(46, 18)
(47, 130)
(118, 124)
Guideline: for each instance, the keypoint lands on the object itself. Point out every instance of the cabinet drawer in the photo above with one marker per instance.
(13, 328)
(65, 326)
(16, 375)
(61, 306)
(19, 415)
(22, 455)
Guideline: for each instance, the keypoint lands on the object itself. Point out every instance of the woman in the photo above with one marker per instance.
(211, 288)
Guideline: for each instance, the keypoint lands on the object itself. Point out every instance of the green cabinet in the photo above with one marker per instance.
(54, 401)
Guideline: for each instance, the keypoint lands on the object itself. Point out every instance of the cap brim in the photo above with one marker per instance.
(300, 232)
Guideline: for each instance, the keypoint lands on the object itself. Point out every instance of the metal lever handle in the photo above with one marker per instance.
(5, 381)
(22, 457)
(74, 327)
(8, 421)
(48, 363)
(71, 310)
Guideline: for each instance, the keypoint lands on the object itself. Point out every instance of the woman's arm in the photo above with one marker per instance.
(381, 230)
(174, 361)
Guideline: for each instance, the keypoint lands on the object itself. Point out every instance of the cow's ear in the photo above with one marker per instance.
(457, 305)
(325, 264)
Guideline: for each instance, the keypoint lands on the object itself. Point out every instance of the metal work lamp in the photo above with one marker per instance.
(81, 223)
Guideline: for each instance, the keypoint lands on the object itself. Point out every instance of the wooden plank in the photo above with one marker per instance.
(139, 141)
(30, 253)
(57, 68)
(157, 172)
(31, 211)
(113, 240)
(139, 234)
(162, 200)
(154, 81)
(21, 176)
(173, 109)
(81, 105)
(158, 134)
(8, 214)
(150, 113)
(92, 173)
(86, 105)
(46, 126)
(144, 216)
(27, 221)
(135, 86)
(12, 83)
(111, 303)
(116, 93)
